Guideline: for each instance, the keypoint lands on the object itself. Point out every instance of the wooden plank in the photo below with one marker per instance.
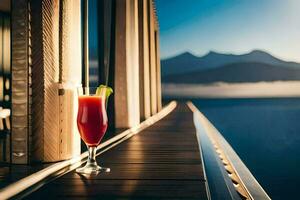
(161, 156)
(116, 189)
(149, 165)
(153, 171)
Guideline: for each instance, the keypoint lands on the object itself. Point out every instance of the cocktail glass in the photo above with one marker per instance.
(92, 123)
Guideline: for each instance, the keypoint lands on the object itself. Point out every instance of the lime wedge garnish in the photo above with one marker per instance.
(103, 88)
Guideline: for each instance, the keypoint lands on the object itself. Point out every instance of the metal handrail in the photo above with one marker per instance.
(245, 184)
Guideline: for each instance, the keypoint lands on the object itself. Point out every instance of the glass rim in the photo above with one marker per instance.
(86, 87)
(91, 91)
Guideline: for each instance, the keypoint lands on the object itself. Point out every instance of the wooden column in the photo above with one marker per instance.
(153, 76)
(157, 58)
(45, 76)
(20, 82)
(46, 68)
(158, 69)
(145, 106)
(56, 71)
(70, 77)
(126, 64)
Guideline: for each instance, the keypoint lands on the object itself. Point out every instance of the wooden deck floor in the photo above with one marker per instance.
(163, 161)
(12, 173)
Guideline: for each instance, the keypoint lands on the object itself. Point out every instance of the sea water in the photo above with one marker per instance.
(265, 133)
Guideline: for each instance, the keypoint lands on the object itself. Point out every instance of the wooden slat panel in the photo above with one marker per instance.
(51, 72)
(45, 71)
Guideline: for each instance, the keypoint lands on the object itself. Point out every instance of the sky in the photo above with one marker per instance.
(230, 26)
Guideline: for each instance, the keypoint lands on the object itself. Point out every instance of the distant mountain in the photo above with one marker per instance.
(237, 72)
(188, 62)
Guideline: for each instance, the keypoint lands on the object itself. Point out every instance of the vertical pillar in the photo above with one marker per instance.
(145, 106)
(56, 70)
(70, 77)
(45, 76)
(20, 81)
(46, 65)
(126, 64)
(158, 69)
(153, 81)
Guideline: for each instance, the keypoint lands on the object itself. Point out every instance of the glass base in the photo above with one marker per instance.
(92, 168)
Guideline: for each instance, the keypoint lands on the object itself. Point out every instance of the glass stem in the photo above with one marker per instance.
(92, 155)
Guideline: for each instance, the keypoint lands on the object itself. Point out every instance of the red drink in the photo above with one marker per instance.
(92, 119)
(92, 123)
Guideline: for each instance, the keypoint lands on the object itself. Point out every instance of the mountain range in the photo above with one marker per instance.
(215, 67)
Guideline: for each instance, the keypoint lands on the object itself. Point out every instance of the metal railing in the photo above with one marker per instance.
(228, 177)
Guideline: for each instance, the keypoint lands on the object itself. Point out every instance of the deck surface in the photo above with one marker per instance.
(12, 173)
(163, 161)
